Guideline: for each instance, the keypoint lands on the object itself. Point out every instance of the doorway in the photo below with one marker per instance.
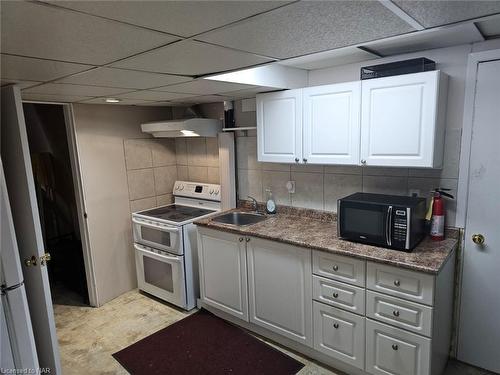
(479, 331)
(57, 207)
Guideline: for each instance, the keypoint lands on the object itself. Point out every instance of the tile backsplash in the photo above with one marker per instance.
(198, 159)
(151, 172)
(153, 165)
(319, 187)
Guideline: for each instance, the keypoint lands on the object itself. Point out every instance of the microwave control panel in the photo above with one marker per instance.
(400, 225)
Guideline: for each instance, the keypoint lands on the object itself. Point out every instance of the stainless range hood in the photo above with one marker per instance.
(193, 127)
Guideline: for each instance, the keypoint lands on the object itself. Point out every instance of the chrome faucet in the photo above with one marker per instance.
(255, 205)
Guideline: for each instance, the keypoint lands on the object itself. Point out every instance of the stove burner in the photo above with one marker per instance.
(176, 213)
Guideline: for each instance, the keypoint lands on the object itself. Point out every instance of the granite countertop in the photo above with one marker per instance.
(318, 230)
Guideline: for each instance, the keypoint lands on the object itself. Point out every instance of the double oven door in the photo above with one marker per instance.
(161, 274)
(159, 256)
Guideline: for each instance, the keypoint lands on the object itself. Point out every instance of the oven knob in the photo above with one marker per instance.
(211, 191)
(181, 187)
(217, 192)
(177, 187)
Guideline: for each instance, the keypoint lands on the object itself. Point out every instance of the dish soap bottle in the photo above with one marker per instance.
(270, 204)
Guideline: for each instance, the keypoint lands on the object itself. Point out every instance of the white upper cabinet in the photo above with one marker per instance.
(279, 126)
(331, 127)
(402, 120)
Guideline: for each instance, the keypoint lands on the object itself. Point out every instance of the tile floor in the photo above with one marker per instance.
(88, 336)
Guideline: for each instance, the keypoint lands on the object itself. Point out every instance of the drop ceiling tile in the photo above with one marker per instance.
(38, 30)
(427, 39)
(52, 98)
(310, 26)
(203, 87)
(191, 58)
(122, 101)
(152, 95)
(76, 90)
(436, 13)
(29, 69)
(113, 77)
(184, 18)
(490, 28)
(21, 84)
(320, 60)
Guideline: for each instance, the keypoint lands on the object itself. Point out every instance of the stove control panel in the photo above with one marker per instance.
(197, 190)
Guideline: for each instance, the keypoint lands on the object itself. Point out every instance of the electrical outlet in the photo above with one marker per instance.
(414, 192)
(290, 186)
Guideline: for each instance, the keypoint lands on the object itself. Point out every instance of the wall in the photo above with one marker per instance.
(319, 186)
(101, 131)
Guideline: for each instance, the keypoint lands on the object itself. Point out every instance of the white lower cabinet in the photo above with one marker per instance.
(394, 351)
(279, 288)
(339, 334)
(223, 271)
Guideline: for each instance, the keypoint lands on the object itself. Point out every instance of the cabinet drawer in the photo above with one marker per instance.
(393, 351)
(334, 293)
(398, 312)
(411, 285)
(348, 270)
(339, 334)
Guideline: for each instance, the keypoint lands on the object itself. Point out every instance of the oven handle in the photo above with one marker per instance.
(156, 255)
(388, 230)
(155, 226)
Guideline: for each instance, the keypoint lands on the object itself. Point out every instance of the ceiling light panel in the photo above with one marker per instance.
(204, 87)
(29, 69)
(153, 95)
(76, 90)
(185, 18)
(427, 39)
(121, 102)
(310, 26)
(436, 13)
(320, 60)
(191, 58)
(490, 28)
(37, 30)
(131, 79)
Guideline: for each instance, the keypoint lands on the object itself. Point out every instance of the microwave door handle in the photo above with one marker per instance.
(389, 226)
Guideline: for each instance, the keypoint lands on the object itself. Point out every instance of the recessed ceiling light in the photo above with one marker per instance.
(112, 100)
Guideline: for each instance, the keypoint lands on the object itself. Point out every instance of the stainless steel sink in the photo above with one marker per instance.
(240, 218)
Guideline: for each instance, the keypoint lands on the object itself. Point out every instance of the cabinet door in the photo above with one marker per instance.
(339, 334)
(279, 287)
(392, 351)
(332, 123)
(223, 271)
(279, 126)
(402, 121)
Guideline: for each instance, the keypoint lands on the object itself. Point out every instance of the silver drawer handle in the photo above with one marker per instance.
(395, 347)
(395, 313)
(397, 282)
(335, 268)
(241, 239)
(336, 325)
(335, 295)
(247, 239)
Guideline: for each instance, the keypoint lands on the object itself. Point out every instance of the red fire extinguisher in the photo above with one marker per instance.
(437, 213)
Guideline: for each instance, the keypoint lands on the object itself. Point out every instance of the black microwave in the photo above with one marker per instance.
(392, 221)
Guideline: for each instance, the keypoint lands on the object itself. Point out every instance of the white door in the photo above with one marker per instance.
(279, 126)
(479, 330)
(223, 271)
(20, 185)
(402, 122)
(332, 123)
(280, 288)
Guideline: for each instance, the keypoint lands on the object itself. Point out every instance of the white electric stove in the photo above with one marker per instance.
(165, 243)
